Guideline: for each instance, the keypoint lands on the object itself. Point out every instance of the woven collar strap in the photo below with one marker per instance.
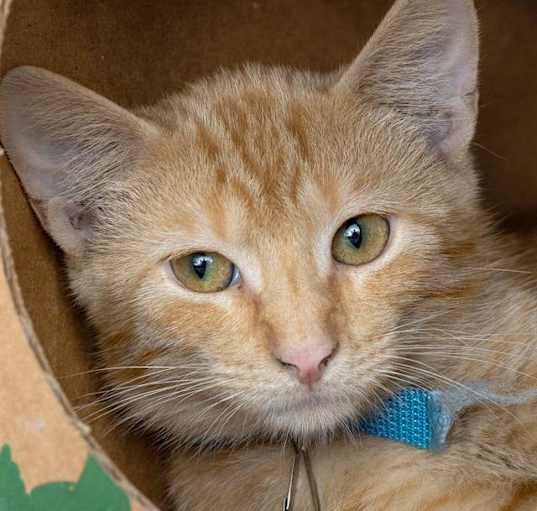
(423, 418)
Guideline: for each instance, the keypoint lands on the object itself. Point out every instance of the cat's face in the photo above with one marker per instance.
(267, 182)
(264, 167)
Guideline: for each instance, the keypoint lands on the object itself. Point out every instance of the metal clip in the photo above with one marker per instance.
(311, 481)
(289, 500)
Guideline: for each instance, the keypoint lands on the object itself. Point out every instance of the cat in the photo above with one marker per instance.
(268, 253)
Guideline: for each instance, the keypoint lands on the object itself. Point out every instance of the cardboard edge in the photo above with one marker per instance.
(38, 352)
(4, 13)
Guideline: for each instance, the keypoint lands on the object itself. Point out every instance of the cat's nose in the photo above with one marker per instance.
(307, 362)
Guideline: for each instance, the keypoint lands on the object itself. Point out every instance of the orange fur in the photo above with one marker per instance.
(263, 165)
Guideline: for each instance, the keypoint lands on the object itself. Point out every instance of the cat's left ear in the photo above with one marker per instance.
(69, 146)
(422, 62)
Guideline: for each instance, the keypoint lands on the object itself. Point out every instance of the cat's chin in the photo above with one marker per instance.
(309, 418)
(313, 418)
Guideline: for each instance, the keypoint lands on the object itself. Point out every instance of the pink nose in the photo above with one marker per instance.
(307, 362)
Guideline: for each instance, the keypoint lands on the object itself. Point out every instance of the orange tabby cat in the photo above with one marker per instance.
(269, 253)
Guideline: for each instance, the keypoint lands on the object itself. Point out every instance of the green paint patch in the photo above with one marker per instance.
(94, 491)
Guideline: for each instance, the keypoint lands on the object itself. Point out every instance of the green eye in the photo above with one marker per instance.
(360, 240)
(204, 272)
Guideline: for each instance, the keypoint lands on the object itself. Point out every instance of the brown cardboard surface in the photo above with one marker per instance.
(29, 409)
(134, 51)
(508, 111)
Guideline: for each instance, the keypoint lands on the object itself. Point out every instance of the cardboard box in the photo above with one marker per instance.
(133, 52)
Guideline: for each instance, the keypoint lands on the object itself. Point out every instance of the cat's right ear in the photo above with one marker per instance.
(422, 62)
(67, 145)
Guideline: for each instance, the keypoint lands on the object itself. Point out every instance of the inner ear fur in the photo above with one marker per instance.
(67, 145)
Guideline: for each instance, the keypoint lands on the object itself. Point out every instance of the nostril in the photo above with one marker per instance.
(286, 364)
(292, 368)
(325, 360)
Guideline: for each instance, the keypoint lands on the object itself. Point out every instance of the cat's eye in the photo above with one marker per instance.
(204, 272)
(360, 240)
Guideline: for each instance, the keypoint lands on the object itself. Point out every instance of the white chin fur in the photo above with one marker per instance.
(313, 421)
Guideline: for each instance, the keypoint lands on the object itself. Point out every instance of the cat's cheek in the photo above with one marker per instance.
(360, 301)
(219, 325)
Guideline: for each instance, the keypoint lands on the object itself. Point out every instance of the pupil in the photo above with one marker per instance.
(200, 262)
(353, 234)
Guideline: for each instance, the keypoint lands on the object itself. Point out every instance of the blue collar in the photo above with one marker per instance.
(409, 417)
(423, 418)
